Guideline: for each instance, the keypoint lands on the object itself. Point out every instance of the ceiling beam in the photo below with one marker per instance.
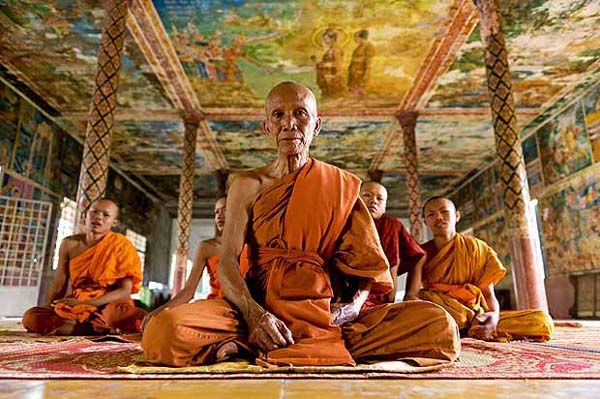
(257, 114)
(149, 33)
(442, 51)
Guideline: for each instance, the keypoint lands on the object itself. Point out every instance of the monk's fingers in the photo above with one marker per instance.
(261, 339)
(285, 333)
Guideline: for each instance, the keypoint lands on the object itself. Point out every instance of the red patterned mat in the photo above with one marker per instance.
(574, 354)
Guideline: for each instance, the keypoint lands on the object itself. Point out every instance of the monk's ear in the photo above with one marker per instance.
(317, 126)
(265, 129)
(457, 216)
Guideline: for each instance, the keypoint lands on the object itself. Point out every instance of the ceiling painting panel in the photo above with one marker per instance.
(351, 53)
(54, 47)
(551, 44)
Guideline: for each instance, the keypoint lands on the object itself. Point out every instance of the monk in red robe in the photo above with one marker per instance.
(300, 218)
(460, 274)
(401, 250)
(103, 269)
(207, 256)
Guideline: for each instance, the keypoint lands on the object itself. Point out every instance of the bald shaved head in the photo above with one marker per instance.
(374, 194)
(300, 91)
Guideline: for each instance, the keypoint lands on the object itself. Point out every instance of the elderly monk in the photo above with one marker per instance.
(103, 269)
(401, 250)
(300, 218)
(460, 274)
(208, 254)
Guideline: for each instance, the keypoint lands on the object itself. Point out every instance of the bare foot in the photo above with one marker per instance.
(227, 351)
(67, 328)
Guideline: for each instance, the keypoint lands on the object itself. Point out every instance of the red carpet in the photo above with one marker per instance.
(574, 354)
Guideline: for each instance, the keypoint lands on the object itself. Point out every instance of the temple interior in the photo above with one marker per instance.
(157, 104)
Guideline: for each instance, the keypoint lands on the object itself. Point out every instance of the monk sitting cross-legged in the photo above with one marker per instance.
(207, 256)
(103, 269)
(460, 274)
(401, 250)
(300, 218)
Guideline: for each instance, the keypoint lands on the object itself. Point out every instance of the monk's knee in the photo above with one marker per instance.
(159, 338)
(41, 320)
(448, 335)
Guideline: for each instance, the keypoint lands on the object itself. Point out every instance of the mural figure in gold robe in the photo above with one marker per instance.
(359, 69)
(330, 70)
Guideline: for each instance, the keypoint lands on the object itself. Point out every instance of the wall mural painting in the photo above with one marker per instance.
(540, 65)
(465, 203)
(496, 234)
(591, 102)
(488, 192)
(533, 165)
(564, 144)
(55, 44)
(570, 227)
(9, 115)
(33, 148)
(351, 53)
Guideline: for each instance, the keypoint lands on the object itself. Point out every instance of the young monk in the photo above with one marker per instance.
(103, 269)
(207, 256)
(460, 274)
(300, 218)
(401, 250)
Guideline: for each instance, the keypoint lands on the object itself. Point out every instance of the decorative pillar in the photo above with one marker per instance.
(96, 149)
(191, 121)
(527, 265)
(408, 121)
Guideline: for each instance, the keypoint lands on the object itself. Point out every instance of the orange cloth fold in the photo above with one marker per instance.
(212, 264)
(96, 270)
(455, 277)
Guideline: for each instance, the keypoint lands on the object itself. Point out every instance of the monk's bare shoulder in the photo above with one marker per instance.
(73, 245)
(209, 247)
(246, 185)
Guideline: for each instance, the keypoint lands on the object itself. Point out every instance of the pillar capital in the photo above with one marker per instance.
(489, 19)
(192, 117)
(407, 119)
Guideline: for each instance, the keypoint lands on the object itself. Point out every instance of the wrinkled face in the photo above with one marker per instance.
(375, 197)
(220, 214)
(291, 119)
(441, 216)
(102, 216)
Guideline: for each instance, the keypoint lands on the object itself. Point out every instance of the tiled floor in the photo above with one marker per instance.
(300, 389)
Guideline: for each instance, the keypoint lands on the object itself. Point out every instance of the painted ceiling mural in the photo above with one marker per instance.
(351, 53)
(360, 57)
(53, 47)
(551, 45)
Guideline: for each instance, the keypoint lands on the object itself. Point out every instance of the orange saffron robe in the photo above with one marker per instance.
(455, 276)
(293, 246)
(92, 274)
(212, 264)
